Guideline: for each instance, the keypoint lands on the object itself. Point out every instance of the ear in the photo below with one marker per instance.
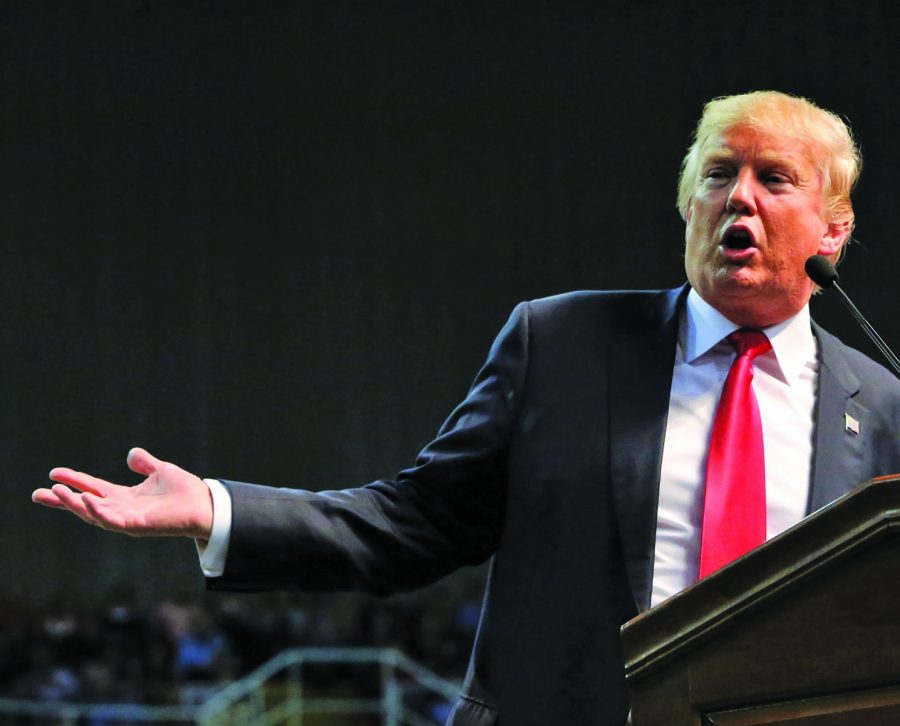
(834, 238)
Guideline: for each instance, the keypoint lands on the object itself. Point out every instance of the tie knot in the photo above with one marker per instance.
(749, 342)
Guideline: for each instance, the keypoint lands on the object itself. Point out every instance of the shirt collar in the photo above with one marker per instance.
(792, 341)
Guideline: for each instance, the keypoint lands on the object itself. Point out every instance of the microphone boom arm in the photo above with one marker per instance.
(868, 329)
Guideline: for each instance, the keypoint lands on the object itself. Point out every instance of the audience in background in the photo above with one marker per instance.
(181, 649)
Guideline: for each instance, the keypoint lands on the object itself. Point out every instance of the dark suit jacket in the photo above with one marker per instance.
(551, 467)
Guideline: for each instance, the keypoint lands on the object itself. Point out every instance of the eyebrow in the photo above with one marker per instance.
(716, 157)
(726, 155)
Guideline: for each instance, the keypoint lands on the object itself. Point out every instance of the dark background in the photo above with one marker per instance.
(273, 241)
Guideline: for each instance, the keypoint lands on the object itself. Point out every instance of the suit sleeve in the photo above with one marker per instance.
(443, 513)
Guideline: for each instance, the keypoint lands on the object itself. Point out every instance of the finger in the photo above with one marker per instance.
(142, 462)
(46, 498)
(102, 515)
(82, 482)
(73, 502)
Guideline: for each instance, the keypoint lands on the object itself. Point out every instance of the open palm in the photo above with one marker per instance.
(170, 502)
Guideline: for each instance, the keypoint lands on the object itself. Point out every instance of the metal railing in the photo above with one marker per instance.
(263, 698)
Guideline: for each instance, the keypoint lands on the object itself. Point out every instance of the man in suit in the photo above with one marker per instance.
(577, 463)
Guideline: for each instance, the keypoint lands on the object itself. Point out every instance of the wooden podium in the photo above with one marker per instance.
(804, 630)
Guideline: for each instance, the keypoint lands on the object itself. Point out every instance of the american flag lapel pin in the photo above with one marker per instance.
(851, 424)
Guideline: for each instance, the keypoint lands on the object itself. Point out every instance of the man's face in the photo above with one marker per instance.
(756, 215)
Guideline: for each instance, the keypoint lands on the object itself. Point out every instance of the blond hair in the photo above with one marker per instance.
(826, 135)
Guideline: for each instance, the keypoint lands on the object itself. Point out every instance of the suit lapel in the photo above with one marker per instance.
(642, 353)
(840, 450)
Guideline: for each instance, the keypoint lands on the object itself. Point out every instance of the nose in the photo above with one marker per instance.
(742, 197)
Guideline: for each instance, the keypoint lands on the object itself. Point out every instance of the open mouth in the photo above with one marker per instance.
(737, 238)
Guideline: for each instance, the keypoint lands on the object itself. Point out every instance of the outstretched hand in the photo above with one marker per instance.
(170, 502)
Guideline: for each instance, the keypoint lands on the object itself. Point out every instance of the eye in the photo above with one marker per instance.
(775, 178)
(716, 175)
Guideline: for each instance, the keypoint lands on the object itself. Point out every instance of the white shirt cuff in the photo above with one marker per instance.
(213, 553)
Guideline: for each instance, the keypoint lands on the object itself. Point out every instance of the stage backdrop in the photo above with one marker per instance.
(274, 241)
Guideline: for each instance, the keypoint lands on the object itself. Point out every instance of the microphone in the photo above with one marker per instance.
(822, 272)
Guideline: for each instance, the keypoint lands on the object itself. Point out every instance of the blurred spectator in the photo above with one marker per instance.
(201, 650)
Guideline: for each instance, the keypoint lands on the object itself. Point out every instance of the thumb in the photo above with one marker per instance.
(141, 462)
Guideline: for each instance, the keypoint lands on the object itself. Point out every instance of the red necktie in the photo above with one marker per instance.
(734, 506)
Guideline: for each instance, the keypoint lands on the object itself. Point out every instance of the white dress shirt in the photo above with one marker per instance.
(784, 382)
(213, 553)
